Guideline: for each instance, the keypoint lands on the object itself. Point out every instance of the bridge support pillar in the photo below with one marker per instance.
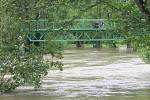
(112, 44)
(79, 44)
(129, 45)
(97, 44)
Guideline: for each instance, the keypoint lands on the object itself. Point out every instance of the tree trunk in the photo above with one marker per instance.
(142, 5)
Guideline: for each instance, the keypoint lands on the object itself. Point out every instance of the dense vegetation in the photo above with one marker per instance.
(18, 67)
(20, 63)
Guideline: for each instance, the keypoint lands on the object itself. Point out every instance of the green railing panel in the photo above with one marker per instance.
(76, 30)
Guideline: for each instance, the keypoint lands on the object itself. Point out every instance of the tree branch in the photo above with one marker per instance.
(142, 6)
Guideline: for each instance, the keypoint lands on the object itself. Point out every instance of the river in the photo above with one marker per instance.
(92, 74)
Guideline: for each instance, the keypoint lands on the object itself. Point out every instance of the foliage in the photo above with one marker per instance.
(134, 16)
(17, 66)
(137, 28)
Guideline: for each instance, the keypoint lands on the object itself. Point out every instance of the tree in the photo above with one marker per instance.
(134, 16)
(16, 66)
(143, 6)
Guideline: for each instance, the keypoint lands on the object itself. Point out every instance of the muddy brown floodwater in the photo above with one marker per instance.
(92, 74)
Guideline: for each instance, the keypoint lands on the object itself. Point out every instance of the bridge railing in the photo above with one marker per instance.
(87, 24)
(77, 24)
(99, 24)
(37, 30)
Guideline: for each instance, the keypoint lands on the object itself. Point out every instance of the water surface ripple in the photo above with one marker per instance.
(95, 73)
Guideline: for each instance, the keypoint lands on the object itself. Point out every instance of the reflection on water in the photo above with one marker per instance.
(92, 74)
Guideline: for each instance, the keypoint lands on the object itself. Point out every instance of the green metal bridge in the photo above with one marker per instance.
(73, 30)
